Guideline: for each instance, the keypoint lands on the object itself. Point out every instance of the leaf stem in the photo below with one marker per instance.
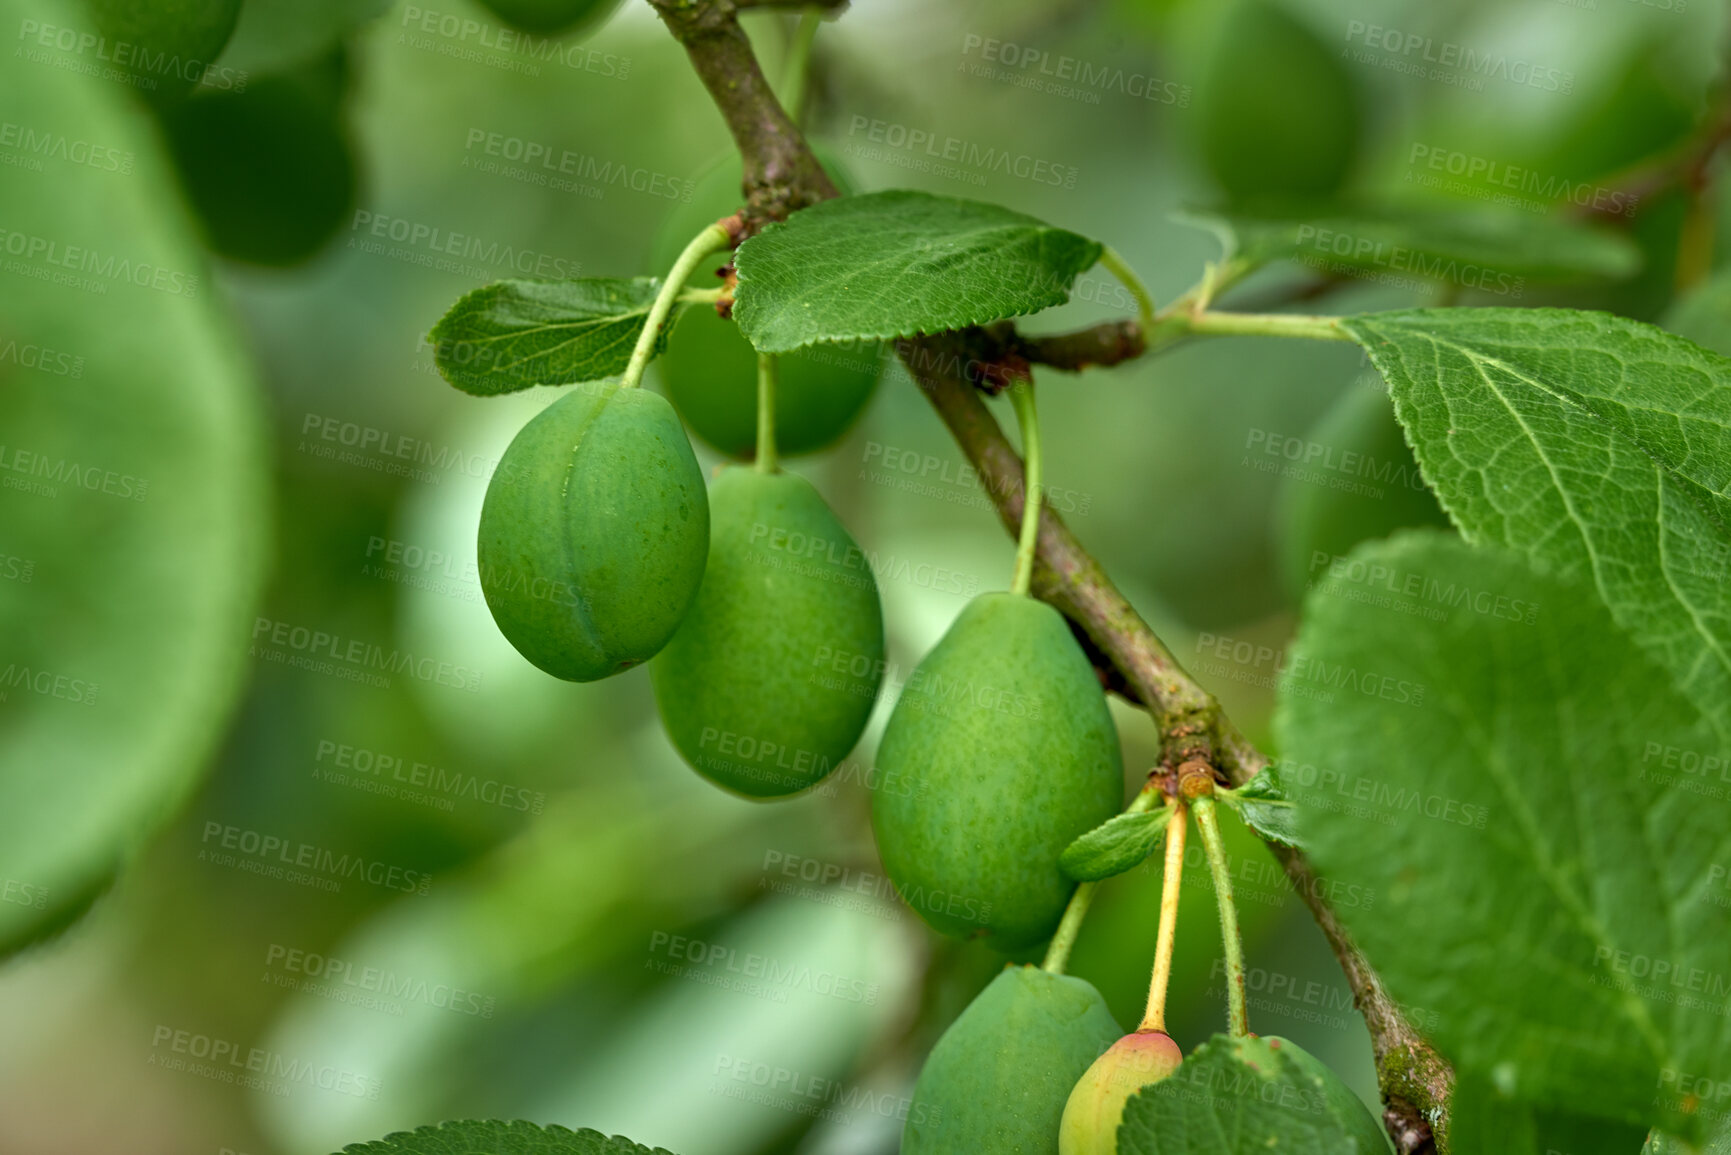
(766, 380)
(1022, 398)
(1174, 324)
(1120, 268)
(1217, 277)
(714, 237)
(1058, 953)
(1267, 325)
(1208, 825)
(1171, 886)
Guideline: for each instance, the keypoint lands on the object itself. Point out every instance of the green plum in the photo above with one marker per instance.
(1322, 512)
(552, 17)
(270, 170)
(710, 374)
(1277, 115)
(1366, 1130)
(168, 44)
(997, 1081)
(709, 370)
(594, 532)
(771, 677)
(999, 753)
(1096, 1104)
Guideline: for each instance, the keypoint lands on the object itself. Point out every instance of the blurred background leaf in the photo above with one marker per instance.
(278, 35)
(135, 498)
(352, 168)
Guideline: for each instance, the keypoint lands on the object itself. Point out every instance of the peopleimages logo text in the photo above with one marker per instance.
(1415, 49)
(464, 246)
(145, 65)
(963, 153)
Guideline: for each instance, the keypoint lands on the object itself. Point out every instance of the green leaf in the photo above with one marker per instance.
(1495, 251)
(1548, 884)
(1704, 314)
(1483, 1119)
(1480, 1119)
(1262, 803)
(511, 335)
(899, 264)
(274, 35)
(1597, 446)
(1248, 1097)
(1120, 843)
(495, 1137)
(134, 500)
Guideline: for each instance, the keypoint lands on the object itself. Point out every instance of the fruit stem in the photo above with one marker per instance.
(766, 461)
(1208, 825)
(1058, 953)
(797, 71)
(1154, 1015)
(1120, 268)
(708, 241)
(1022, 397)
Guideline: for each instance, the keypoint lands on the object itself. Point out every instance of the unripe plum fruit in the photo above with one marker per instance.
(1278, 115)
(772, 675)
(1096, 1104)
(172, 41)
(594, 532)
(1314, 523)
(999, 754)
(997, 1081)
(552, 17)
(271, 169)
(709, 369)
(709, 372)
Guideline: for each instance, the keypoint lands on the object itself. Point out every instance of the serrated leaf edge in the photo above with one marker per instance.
(433, 1130)
(435, 336)
(743, 308)
(1160, 818)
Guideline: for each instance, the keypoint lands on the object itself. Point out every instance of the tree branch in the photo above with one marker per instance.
(781, 175)
(996, 356)
(1685, 165)
(780, 172)
(1105, 344)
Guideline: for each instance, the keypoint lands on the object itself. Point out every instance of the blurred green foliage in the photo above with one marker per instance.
(1278, 116)
(270, 170)
(588, 950)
